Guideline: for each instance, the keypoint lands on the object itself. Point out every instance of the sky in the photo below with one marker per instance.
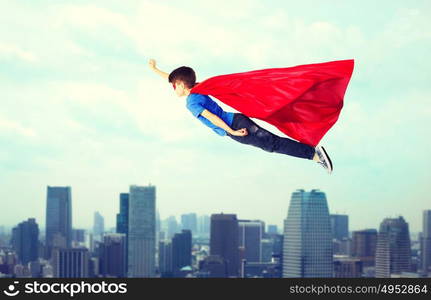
(80, 107)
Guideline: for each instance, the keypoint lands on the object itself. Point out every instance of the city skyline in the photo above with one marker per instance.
(80, 106)
(313, 244)
(113, 216)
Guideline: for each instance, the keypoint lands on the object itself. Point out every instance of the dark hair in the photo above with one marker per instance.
(184, 74)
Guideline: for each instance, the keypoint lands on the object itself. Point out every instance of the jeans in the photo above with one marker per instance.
(262, 138)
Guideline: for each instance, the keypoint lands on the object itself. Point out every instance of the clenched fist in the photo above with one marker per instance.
(152, 64)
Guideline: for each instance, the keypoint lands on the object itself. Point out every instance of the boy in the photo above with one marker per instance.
(237, 126)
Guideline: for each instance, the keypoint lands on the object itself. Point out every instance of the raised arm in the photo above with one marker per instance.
(217, 121)
(152, 65)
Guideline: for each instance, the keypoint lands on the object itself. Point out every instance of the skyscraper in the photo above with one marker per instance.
(172, 226)
(98, 226)
(25, 241)
(204, 226)
(123, 222)
(123, 215)
(78, 235)
(340, 226)
(58, 218)
(393, 252)
(224, 241)
(181, 250)
(112, 255)
(250, 239)
(307, 250)
(142, 231)
(364, 246)
(70, 263)
(189, 222)
(165, 258)
(426, 243)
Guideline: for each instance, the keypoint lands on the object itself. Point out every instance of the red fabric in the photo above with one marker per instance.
(303, 102)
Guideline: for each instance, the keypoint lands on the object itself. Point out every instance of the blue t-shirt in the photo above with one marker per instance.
(196, 103)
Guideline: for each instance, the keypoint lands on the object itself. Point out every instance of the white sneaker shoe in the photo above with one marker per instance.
(325, 161)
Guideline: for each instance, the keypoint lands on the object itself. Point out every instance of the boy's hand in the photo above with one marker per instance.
(240, 132)
(152, 64)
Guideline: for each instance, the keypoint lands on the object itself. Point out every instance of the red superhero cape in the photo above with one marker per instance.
(303, 102)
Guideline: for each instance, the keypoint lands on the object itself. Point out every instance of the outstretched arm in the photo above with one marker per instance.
(152, 65)
(217, 121)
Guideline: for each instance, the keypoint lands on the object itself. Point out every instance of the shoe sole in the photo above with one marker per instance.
(327, 159)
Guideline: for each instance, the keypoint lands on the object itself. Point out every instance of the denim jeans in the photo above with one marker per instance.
(262, 138)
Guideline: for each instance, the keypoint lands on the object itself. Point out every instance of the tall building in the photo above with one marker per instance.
(58, 218)
(250, 239)
(364, 246)
(181, 250)
(165, 258)
(340, 226)
(307, 250)
(25, 241)
(172, 226)
(224, 242)
(112, 255)
(70, 263)
(393, 252)
(204, 222)
(142, 231)
(426, 243)
(98, 226)
(78, 235)
(190, 222)
(123, 215)
(123, 221)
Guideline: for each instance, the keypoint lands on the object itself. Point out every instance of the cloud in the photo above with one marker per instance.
(10, 126)
(11, 51)
(87, 111)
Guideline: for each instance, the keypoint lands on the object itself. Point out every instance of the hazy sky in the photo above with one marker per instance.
(80, 108)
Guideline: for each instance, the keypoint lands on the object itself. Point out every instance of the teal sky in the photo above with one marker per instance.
(79, 106)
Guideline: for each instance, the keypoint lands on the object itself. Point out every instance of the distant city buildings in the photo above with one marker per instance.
(272, 229)
(204, 222)
(98, 226)
(189, 222)
(172, 227)
(313, 243)
(78, 236)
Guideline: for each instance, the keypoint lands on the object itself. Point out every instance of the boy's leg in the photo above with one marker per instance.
(262, 138)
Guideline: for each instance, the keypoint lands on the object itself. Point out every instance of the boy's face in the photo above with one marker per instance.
(179, 88)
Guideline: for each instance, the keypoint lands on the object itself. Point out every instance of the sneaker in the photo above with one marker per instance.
(325, 161)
